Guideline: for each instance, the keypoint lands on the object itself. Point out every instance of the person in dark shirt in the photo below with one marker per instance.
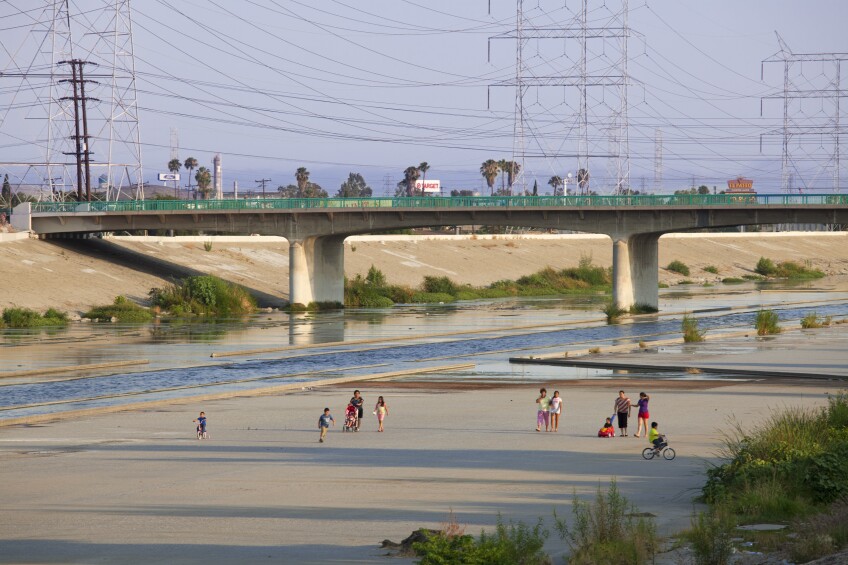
(357, 402)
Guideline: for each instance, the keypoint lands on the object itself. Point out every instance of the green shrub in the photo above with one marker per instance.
(710, 536)
(643, 309)
(28, 318)
(753, 277)
(691, 333)
(207, 245)
(732, 280)
(766, 323)
(792, 270)
(678, 267)
(431, 298)
(439, 285)
(204, 295)
(607, 531)
(124, 310)
(510, 544)
(765, 267)
(811, 321)
(711, 269)
(662, 285)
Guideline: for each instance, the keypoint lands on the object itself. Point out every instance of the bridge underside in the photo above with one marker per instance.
(316, 236)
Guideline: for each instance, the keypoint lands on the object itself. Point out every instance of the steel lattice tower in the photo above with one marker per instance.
(658, 161)
(811, 131)
(608, 29)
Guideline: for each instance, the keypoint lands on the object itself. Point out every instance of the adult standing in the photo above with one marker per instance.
(622, 411)
(643, 413)
(357, 401)
(543, 415)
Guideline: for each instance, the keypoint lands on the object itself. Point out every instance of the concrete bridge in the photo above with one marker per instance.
(316, 228)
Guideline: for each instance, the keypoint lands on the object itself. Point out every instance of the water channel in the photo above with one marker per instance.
(327, 345)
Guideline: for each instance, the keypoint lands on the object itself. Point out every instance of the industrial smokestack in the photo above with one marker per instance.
(217, 177)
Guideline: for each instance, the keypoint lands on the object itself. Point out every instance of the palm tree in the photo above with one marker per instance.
(489, 169)
(512, 172)
(302, 178)
(174, 166)
(190, 164)
(410, 175)
(424, 167)
(583, 180)
(556, 182)
(503, 166)
(204, 181)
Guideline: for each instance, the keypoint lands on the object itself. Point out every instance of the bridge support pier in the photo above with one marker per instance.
(316, 270)
(635, 270)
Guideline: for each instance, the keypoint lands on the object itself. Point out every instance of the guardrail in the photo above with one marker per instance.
(648, 201)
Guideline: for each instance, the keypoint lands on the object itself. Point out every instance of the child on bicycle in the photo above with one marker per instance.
(656, 438)
(201, 424)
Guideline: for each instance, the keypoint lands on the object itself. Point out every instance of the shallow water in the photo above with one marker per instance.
(180, 364)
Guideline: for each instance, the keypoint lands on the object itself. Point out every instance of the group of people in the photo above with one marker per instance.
(549, 409)
(353, 415)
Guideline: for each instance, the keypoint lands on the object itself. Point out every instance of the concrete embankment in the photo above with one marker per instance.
(76, 274)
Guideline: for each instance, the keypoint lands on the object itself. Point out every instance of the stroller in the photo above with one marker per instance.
(351, 418)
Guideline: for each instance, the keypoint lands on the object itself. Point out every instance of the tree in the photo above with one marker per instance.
(289, 191)
(190, 164)
(512, 172)
(423, 168)
(354, 187)
(302, 178)
(407, 185)
(203, 176)
(489, 169)
(174, 166)
(503, 166)
(583, 180)
(535, 187)
(7, 190)
(703, 189)
(556, 182)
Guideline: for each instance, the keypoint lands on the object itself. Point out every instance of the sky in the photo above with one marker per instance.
(375, 86)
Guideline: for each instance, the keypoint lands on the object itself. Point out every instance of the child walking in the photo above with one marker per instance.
(555, 410)
(644, 415)
(324, 421)
(543, 415)
(381, 410)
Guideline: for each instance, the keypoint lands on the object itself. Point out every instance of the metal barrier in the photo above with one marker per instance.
(646, 201)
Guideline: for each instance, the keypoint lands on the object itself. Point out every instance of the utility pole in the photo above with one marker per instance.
(82, 153)
(262, 182)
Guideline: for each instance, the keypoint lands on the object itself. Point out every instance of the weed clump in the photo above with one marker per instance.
(678, 267)
(711, 269)
(28, 318)
(613, 312)
(787, 270)
(767, 323)
(691, 333)
(203, 295)
(122, 309)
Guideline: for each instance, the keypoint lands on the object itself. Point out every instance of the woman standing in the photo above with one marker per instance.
(643, 414)
(555, 411)
(381, 410)
(543, 416)
(622, 408)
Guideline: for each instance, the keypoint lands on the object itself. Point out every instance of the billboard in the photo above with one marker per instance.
(740, 183)
(428, 185)
(169, 176)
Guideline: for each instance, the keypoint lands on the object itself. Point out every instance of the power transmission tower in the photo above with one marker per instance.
(658, 161)
(812, 116)
(601, 64)
(388, 185)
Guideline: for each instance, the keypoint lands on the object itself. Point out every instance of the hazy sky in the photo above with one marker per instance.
(374, 86)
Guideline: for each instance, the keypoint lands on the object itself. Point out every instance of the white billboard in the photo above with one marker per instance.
(169, 176)
(428, 185)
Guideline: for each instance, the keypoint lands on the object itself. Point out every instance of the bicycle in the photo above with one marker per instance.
(667, 452)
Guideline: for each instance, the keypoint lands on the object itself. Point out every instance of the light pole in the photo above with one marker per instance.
(565, 182)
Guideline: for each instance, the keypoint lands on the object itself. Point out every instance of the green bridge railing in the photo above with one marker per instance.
(648, 201)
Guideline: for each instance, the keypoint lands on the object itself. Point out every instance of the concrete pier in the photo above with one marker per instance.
(316, 270)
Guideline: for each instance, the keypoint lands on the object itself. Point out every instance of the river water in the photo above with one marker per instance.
(485, 333)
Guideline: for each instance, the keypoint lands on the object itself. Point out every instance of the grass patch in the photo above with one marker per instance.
(787, 270)
(767, 323)
(710, 535)
(711, 269)
(732, 280)
(203, 295)
(28, 318)
(606, 530)
(662, 285)
(207, 245)
(678, 267)
(613, 312)
(753, 277)
(594, 350)
(811, 321)
(691, 333)
(511, 543)
(123, 310)
(643, 309)
(374, 291)
(686, 281)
